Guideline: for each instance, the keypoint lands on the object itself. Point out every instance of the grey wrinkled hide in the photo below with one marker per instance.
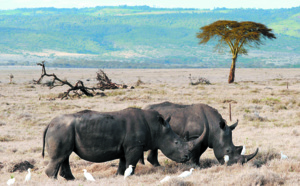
(100, 137)
(189, 121)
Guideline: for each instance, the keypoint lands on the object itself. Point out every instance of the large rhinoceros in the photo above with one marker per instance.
(100, 137)
(191, 120)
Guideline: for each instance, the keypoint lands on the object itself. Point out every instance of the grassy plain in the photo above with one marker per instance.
(25, 110)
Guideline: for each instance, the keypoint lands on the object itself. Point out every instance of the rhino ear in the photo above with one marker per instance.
(232, 127)
(163, 122)
(187, 136)
(168, 119)
(222, 124)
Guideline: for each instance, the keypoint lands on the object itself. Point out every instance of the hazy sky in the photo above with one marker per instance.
(265, 4)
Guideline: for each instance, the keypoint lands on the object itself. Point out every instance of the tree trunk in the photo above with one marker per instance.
(232, 70)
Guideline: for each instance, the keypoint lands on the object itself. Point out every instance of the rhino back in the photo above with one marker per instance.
(189, 117)
(105, 136)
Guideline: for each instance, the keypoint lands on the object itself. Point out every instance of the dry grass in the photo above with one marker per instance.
(25, 110)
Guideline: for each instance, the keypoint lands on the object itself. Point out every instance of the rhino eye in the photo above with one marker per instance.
(176, 142)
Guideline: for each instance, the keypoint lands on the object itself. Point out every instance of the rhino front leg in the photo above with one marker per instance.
(133, 156)
(196, 155)
(122, 166)
(65, 170)
(152, 158)
(142, 160)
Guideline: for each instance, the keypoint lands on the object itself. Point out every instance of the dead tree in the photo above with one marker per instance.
(201, 80)
(105, 83)
(79, 86)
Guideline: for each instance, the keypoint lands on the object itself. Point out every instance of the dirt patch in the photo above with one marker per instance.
(21, 166)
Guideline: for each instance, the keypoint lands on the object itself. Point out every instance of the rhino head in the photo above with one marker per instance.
(176, 148)
(223, 145)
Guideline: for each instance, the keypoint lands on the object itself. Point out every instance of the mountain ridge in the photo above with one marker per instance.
(139, 35)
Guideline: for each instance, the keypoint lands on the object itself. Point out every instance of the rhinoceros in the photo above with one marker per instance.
(189, 121)
(100, 137)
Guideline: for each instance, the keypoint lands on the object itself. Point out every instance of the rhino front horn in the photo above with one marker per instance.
(197, 142)
(250, 156)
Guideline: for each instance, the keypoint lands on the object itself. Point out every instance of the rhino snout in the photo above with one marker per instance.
(185, 158)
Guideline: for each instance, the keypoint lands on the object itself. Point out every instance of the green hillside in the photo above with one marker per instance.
(138, 36)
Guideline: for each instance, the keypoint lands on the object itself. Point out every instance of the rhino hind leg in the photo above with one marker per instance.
(152, 158)
(65, 170)
(53, 168)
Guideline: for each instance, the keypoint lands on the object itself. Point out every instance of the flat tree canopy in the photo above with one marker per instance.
(237, 35)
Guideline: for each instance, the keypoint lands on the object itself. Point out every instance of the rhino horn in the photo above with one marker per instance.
(250, 156)
(197, 142)
(239, 149)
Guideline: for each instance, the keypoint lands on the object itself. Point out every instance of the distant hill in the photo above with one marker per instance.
(139, 37)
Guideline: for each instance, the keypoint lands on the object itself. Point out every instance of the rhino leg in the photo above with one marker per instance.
(65, 170)
(133, 156)
(196, 155)
(142, 160)
(122, 166)
(152, 158)
(53, 168)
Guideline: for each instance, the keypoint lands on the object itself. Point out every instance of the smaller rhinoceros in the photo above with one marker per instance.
(189, 121)
(100, 137)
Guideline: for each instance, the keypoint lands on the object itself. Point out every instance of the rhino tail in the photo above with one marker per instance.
(44, 136)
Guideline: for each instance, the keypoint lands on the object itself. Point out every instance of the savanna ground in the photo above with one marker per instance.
(268, 112)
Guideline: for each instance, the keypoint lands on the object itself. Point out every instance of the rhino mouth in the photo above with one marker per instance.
(185, 158)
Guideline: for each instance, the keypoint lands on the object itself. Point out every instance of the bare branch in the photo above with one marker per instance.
(78, 89)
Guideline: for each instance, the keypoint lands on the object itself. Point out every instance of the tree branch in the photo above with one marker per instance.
(78, 86)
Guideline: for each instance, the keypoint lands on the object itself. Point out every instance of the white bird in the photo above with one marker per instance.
(226, 158)
(128, 171)
(165, 179)
(283, 156)
(244, 150)
(186, 173)
(11, 181)
(88, 176)
(28, 176)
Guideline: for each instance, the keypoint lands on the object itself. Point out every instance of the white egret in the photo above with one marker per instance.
(283, 156)
(167, 178)
(28, 176)
(244, 150)
(11, 181)
(226, 158)
(88, 176)
(186, 173)
(128, 171)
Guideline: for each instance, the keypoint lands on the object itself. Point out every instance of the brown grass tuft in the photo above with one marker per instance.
(285, 166)
(207, 163)
(6, 138)
(179, 182)
(261, 177)
(264, 157)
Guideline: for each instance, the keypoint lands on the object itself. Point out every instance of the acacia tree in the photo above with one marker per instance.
(237, 35)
